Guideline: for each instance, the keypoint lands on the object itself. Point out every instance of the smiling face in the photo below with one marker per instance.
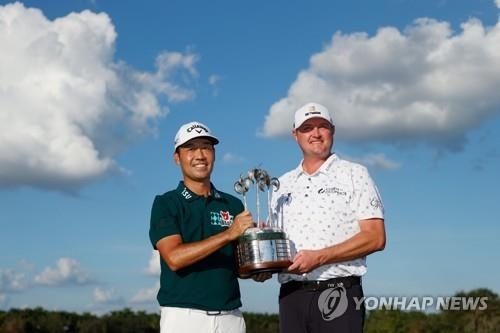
(315, 138)
(196, 159)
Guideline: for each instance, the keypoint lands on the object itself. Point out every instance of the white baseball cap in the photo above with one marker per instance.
(191, 131)
(311, 110)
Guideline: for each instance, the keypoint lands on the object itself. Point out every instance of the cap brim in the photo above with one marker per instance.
(211, 138)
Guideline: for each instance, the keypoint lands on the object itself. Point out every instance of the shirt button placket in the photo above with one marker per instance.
(308, 187)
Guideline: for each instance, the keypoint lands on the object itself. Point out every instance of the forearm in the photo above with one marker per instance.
(184, 254)
(369, 239)
(360, 245)
(178, 254)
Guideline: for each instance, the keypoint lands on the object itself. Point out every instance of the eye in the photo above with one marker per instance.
(207, 146)
(188, 147)
(306, 128)
(325, 126)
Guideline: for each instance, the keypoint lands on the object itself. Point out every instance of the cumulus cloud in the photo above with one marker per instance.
(497, 3)
(11, 281)
(67, 272)
(67, 107)
(232, 158)
(213, 80)
(379, 161)
(146, 295)
(110, 296)
(4, 300)
(153, 268)
(425, 83)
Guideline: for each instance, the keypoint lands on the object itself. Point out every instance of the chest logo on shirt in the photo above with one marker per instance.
(330, 190)
(221, 218)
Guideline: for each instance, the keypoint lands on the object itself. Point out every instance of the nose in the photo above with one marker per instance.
(199, 153)
(316, 131)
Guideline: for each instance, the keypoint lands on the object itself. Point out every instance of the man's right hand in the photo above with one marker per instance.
(241, 222)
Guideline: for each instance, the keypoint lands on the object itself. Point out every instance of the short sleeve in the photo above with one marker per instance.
(369, 200)
(164, 219)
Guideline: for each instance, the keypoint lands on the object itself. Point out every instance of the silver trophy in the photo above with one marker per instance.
(264, 248)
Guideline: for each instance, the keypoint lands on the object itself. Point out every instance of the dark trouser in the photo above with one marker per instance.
(318, 307)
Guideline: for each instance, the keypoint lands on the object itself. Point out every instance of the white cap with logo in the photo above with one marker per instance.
(311, 110)
(191, 131)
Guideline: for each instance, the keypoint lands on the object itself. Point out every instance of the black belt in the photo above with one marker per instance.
(346, 282)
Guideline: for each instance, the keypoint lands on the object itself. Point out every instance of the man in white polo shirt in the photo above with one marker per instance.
(332, 212)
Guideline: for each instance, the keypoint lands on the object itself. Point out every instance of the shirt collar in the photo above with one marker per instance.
(325, 167)
(189, 195)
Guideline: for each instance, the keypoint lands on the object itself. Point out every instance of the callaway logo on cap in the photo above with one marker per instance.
(311, 110)
(193, 130)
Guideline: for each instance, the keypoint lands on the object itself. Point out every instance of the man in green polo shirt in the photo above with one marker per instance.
(193, 227)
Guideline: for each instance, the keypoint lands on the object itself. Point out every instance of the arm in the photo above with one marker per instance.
(369, 239)
(178, 255)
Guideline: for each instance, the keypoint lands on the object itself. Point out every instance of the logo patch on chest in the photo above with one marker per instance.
(332, 190)
(221, 218)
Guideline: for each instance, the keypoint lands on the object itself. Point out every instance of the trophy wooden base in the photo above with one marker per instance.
(248, 270)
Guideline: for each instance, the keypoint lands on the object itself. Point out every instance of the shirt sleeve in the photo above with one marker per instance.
(163, 221)
(368, 197)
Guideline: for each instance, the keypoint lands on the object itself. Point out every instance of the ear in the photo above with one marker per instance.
(333, 130)
(177, 158)
(294, 134)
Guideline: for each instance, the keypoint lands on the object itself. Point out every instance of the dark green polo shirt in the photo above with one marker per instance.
(212, 283)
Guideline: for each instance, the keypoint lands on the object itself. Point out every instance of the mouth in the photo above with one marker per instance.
(200, 166)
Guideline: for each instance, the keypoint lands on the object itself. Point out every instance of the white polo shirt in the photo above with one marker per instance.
(323, 209)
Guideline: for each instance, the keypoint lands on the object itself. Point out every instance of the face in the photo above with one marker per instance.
(196, 159)
(315, 137)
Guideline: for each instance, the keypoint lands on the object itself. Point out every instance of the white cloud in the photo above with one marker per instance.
(213, 79)
(497, 3)
(109, 296)
(67, 272)
(379, 161)
(4, 299)
(146, 295)
(232, 158)
(425, 83)
(11, 281)
(67, 108)
(153, 268)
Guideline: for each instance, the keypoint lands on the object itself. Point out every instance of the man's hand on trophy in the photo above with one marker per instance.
(261, 277)
(241, 222)
(304, 262)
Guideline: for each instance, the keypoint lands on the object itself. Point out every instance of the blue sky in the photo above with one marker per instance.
(92, 93)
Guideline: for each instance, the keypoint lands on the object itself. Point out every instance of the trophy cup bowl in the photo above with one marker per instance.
(262, 250)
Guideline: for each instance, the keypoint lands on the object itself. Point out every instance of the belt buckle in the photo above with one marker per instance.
(214, 312)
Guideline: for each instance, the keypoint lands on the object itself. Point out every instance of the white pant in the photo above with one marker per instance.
(184, 320)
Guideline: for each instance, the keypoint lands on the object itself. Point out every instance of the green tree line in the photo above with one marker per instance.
(384, 320)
